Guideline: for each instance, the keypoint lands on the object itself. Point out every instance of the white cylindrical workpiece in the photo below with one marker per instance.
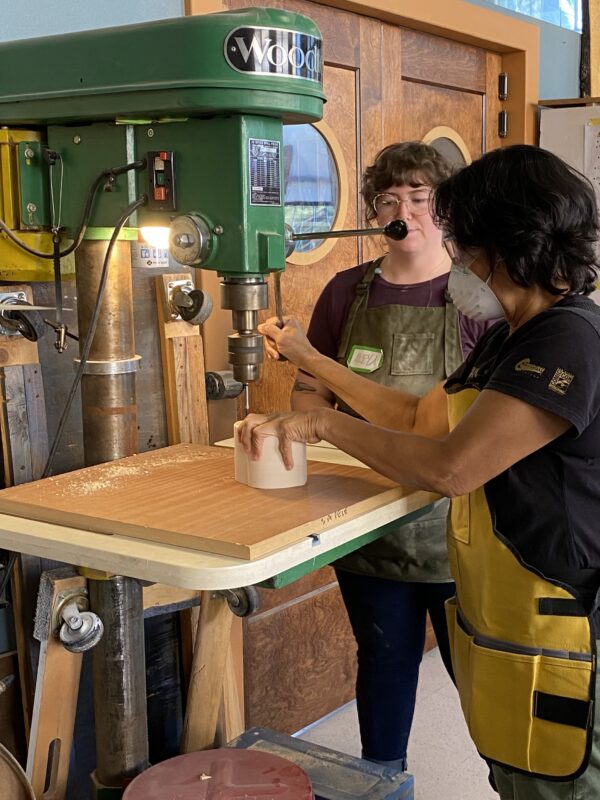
(269, 471)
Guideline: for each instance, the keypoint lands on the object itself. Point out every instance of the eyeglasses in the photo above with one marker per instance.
(386, 205)
(461, 258)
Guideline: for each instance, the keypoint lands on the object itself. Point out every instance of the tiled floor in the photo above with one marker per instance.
(441, 756)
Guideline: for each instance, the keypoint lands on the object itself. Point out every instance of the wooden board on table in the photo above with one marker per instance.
(186, 495)
(320, 451)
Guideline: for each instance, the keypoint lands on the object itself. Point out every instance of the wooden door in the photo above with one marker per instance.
(383, 84)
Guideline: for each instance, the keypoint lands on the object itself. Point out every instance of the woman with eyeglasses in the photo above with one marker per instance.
(390, 320)
(513, 436)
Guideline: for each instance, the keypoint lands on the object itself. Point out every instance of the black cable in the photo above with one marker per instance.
(87, 345)
(61, 328)
(7, 571)
(107, 174)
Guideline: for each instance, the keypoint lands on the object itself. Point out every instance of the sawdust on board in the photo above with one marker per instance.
(116, 476)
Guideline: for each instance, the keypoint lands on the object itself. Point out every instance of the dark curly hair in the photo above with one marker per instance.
(528, 208)
(401, 164)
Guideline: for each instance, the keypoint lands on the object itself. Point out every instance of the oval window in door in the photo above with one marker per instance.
(315, 193)
(450, 144)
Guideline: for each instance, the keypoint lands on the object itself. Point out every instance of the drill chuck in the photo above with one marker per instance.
(245, 298)
(245, 354)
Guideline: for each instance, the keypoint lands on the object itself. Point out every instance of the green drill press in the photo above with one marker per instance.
(196, 104)
(175, 124)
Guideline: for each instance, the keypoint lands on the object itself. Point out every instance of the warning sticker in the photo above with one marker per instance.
(265, 183)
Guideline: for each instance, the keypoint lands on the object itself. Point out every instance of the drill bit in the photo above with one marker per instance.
(246, 399)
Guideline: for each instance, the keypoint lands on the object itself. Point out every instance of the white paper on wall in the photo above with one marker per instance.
(573, 134)
(591, 154)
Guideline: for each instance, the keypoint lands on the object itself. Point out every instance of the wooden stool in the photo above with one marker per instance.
(222, 773)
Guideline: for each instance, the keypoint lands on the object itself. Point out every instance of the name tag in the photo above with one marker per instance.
(365, 359)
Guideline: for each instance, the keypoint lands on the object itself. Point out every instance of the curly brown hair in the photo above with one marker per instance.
(402, 163)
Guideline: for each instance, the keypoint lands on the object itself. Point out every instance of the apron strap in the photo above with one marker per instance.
(561, 607)
(453, 352)
(361, 297)
(563, 710)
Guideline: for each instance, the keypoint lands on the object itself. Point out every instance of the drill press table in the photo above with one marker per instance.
(127, 517)
(165, 517)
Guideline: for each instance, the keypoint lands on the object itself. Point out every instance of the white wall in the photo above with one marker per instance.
(559, 48)
(560, 51)
(29, 18)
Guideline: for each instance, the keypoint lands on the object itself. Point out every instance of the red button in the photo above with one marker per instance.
(160, 193)
(164, 155)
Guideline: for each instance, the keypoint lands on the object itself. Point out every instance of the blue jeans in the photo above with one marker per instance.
(388, 619)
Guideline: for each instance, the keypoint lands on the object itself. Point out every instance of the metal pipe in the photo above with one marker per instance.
(119, 678)
(108, 400)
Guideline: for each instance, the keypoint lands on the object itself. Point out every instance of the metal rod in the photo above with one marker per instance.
(336, 234)
(278, 302)
(119, 681)
(396, 229)
(54, 327)
(278, 306)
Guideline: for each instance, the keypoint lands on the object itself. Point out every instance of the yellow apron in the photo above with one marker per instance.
(523, 650)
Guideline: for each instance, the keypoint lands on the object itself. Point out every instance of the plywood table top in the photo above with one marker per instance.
(186, 496)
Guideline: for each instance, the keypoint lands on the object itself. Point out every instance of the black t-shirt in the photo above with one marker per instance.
(547, 506)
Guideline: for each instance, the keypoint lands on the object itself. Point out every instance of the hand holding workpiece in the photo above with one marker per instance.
(269, 471)
(289, 341)
(293, 427)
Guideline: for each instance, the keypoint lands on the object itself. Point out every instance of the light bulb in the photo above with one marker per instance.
(156, 236)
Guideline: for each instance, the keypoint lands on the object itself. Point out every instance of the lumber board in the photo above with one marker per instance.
(205, 691)
(56, 692)
(183, 369)
(185, 495)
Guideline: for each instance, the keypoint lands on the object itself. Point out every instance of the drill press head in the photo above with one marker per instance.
(241, 229)
(201, 100)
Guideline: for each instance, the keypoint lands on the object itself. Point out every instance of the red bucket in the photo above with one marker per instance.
(222, 774)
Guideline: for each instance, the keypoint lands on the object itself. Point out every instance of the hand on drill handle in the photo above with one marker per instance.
(289, 341)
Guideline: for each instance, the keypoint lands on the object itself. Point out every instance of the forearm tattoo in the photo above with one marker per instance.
(303, 387)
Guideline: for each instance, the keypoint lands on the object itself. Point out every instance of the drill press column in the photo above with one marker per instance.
(108, 385)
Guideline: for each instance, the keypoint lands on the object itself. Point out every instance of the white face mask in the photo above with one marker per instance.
(471, 295)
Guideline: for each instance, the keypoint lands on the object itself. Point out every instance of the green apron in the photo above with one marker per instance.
(417, 348)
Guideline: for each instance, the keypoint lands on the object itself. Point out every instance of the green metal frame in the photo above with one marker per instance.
(212, 167)
(155, 70)
(34, 189)
(295, 573)
(201, 88)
